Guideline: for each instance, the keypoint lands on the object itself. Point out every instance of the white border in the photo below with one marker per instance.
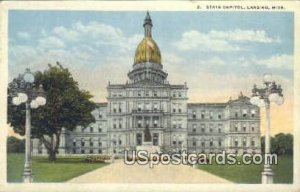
(293, 6)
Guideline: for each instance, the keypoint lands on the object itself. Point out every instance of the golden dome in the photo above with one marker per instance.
(147, 51)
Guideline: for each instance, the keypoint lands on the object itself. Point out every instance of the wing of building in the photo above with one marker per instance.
(148, 100)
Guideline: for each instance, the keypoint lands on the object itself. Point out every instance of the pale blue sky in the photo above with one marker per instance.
(218, 54)
(232, 47)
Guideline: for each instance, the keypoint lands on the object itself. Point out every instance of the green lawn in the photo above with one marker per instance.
(60, 171)
(283, 172)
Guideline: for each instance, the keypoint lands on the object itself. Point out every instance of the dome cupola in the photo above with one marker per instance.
(147, 50)
(147, 67)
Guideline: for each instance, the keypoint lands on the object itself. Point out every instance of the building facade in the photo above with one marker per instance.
(148, 100)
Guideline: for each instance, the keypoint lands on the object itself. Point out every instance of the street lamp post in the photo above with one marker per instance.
(262, 97)
(25, 92)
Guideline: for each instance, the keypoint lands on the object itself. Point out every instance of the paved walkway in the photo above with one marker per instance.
(118, 172)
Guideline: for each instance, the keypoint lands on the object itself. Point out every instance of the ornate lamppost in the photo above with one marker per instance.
(24, 91)
(262, 97)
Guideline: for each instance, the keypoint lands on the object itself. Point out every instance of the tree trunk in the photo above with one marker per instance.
(52, 145)
(52, 152)
(52, 156)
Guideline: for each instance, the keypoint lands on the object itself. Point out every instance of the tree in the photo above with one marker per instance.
(15, 145)
(67, 107)
(280, 144)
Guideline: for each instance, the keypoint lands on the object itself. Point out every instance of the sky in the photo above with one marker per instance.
(218, 54)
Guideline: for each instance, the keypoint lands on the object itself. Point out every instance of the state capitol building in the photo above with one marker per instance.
(149, 101)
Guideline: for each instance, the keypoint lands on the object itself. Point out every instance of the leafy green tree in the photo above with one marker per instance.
(67, 107)
(280, 144)
(15, 145)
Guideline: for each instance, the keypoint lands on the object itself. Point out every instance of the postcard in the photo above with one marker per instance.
(150, 95)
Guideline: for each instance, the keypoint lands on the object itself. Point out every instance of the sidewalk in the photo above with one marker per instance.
(118, 172)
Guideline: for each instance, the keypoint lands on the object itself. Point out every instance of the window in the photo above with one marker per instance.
(120, 142)
(147, 122)
(99, 143)
(244, 112)
(202, 128)
(174, 108)
(194, 143)
(82, 151)
(74, 142)
(120, 110)
(219, 116)
(236, 127)
(115, 125)
(244, 142)
(74, 151)
(244, 127)
(82, 143)
(236, 143)
(253, 142)
(174, 143)
(194, 114)
(147, 94)
(211, 143)
(252, 127)
(155, 123)
(194, 130)
(179, 109)
(100, 116)
(219, 130)
(174, 94)
(236, 114)
(174, 124)
(99, 130)
(99, 151)
(253, 113)
(147, 106)
(179, 124)
(91, 129)
(139, 94)
(202, 114)
(120, 124)
(139, 123)
(155, 106)
(220, 143)
(211, 115)
(179, 94)
(155, 93)
(91, 151)
(210, 130)
(91, 143)
(115, 109)
(139, 107)
(202, 143)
